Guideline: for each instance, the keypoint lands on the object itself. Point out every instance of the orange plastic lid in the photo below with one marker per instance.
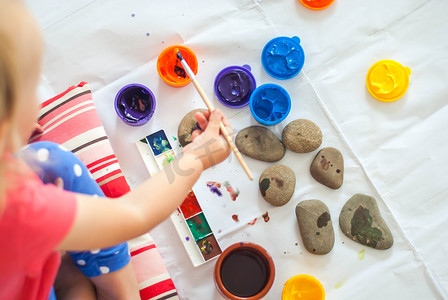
(387, 80)
(316, 4)
(171, 70)
(303, 287)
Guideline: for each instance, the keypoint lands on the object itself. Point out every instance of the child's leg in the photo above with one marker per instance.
(71, 284)
(109, 268)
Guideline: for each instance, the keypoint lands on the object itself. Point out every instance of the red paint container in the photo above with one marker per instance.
(244, 271)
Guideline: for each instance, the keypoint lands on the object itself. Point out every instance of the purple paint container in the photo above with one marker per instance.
(135, 104)
(234, 85)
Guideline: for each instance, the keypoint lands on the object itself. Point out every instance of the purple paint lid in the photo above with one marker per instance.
(135, 104)
(234, 85)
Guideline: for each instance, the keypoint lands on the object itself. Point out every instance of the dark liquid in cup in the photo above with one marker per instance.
(244, 273)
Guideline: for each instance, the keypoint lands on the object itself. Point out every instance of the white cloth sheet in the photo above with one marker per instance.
(395, 152)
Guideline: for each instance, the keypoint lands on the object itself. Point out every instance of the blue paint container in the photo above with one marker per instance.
(270, 104)
(283, 57)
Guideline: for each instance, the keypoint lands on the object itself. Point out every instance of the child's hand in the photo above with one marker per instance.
(208, 144)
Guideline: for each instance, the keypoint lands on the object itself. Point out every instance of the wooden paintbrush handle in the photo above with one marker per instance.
(224, 132)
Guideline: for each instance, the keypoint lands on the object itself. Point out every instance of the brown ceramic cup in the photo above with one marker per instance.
(244, 271)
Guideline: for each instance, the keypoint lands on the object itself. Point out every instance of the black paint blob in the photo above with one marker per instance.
(245, 273)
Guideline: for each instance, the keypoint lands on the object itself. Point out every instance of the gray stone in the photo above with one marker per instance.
(361, 221)
(186, 126)
(260, 143)
(328, 167)
(315, 226)
(277, 184)
(302, 136)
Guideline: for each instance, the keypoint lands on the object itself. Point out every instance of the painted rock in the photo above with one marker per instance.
(360, 220)
(260, 143)
(328, 167)
(302, 136)
(315, 226)
(187, 126)
(277, 184)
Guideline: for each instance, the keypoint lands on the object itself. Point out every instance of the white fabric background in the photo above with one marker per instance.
(395, 152)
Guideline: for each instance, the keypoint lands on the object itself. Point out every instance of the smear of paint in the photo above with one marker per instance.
(266, 217)
(233, 193)
(341, 283)
(214, 187)
(199, 226)
(174, 138)
(278, 181)
(253, 222)
(264, 185)
(190, 206)
(235, 218)
(179, 70)
(362, 228)
(169, 158)
(361, 254)
(323, 220)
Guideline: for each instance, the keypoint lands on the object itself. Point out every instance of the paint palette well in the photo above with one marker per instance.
(189, 219)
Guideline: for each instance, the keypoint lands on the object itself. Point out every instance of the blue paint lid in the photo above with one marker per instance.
(234, 85)
(283, 57)
(270, 104)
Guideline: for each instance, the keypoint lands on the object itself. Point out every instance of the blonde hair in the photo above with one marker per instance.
(9, 91)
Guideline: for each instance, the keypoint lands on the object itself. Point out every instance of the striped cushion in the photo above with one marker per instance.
(152, 276)
(70, 119)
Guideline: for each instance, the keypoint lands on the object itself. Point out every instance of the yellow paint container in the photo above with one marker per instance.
(303, 287)
(387, 80)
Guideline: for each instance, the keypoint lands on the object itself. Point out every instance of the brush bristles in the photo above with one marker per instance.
(179, 55)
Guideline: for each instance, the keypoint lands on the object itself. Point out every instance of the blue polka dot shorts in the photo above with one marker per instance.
(53, 163)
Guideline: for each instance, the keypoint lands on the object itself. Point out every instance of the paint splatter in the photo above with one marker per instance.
(266, 217)
(206, 247)
(341, 283)
(234, 193)
(132, 15)
(174, 138)
(187, 238)
(147, 34)
(361, 254)
(264, 185)
(253, 222)
(214, 187)
(235, 218)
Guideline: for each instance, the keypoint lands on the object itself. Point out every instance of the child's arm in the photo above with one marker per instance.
(102, 222)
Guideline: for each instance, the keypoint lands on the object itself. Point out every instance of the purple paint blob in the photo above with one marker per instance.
(135, 104)
(147, 34)
(132, 15)
(234, 85)
(187, 238)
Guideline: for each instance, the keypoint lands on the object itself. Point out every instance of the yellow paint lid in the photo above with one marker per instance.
(303, 287)
(387, 80)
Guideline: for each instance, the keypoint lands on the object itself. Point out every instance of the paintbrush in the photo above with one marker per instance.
(210, 107)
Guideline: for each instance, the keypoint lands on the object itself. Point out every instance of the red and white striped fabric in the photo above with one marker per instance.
(70, 119)
(152, 276)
